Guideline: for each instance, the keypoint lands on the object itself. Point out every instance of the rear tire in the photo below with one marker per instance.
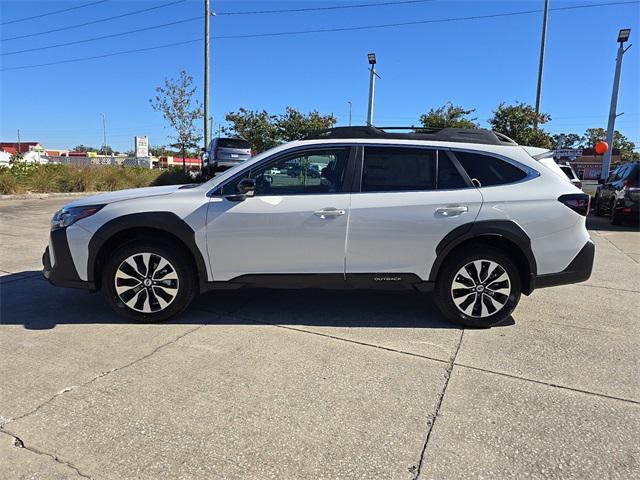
(149, 281)
(615, 216)
(479, 288)
(597, 211)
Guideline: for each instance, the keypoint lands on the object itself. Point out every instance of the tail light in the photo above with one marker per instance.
(578, 202)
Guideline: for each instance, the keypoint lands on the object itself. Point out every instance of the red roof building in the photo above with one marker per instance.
(12, 147)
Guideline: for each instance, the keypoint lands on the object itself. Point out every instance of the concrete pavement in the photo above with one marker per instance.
(317, 384)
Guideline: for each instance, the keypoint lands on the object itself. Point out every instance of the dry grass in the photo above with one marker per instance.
(25, 178)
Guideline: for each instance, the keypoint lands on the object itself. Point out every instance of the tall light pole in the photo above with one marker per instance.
(623, 36)
(206, 73)
(543, 42)
(372, 86)
(350, 105)
(104, 132)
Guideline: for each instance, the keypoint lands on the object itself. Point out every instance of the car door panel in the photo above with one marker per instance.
(399, 231)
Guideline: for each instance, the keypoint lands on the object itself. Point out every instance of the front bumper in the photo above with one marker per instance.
(579, 270)
(58, 267)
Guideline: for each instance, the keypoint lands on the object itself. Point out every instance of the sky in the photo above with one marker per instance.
(475, 63)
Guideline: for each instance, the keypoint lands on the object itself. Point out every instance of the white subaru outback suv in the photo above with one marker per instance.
(464, 213)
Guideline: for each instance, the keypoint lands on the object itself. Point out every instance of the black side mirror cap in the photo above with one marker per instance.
(246, 188)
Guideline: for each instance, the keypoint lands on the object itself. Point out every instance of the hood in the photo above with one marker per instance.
(110, 197)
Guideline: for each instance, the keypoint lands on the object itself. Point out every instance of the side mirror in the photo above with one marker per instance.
(246, 188)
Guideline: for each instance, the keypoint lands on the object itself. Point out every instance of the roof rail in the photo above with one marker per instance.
(462, 135)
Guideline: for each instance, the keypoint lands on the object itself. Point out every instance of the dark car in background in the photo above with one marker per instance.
(224, 153)
(619, 196)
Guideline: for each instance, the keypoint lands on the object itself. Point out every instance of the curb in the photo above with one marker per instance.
(43, 196)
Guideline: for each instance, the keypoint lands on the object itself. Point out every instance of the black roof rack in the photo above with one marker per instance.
(462, 135)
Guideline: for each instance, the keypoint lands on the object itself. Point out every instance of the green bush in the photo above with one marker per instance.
(23, 177)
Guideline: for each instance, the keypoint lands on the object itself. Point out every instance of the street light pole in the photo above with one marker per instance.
(543, 42)
(623, 36)
(104, 132)
(206, 73)
(350, 105)
(372, 86)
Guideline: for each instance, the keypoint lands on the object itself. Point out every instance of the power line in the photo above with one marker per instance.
(316, 9)
(157, 47)
(417, 22)
(112, 35)
(339, 29)
(93, 22)
(77, 7)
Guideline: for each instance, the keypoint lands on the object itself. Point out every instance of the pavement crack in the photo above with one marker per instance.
(618, 248)
(607, 288)
(19, 443)
(100, 375)
(433, 418)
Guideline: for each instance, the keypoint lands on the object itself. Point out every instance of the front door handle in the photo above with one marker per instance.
(329, 212)
(451, 210)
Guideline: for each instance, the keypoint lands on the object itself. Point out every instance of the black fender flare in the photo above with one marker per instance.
(506, 229)
(167, 222)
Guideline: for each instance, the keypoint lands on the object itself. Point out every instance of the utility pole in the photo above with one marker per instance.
(104, 133)
(623, 36)
(206, 73)
(350, 105)
(543, 42)
(372, 85)
(19, 142)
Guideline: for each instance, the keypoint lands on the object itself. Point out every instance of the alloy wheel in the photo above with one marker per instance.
(481, 288)
(146, 282)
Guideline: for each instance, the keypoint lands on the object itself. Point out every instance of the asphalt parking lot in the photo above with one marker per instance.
(317, 384)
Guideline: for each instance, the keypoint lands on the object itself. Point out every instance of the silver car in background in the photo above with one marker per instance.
(224, 153)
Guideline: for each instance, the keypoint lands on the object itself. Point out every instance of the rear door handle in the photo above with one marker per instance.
(451, 210)
(329, 212)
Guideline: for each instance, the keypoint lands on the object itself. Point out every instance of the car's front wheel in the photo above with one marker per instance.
(148, 281)
(478, 289)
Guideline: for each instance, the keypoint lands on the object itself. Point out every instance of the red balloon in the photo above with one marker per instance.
(601, 147)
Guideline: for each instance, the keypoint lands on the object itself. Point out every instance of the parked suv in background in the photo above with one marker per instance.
(466, 214)
(619, 196)
(224, 153)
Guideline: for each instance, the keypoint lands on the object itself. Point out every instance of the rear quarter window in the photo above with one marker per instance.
(489, 170)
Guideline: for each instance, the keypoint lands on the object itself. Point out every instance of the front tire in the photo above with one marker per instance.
(478, 289)
(148, 281)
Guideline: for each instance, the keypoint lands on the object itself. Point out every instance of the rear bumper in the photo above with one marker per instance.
(61, 272)
(579, 270)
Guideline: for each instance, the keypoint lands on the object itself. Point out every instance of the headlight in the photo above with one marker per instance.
(70, 215)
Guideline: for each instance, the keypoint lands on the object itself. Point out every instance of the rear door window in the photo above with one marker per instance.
(394, 169)
(489, 170)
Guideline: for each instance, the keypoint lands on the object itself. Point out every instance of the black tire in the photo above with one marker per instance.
(614, 216)
(444, 290)
(597, 211)
(182, 291)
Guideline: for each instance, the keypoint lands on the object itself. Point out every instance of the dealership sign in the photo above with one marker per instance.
(571, 153)
(141, 146)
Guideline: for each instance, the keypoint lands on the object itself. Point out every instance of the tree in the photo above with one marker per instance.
(175, 100)
(517, 122)
(626, 146)
(294, 125)
(84, 148)
(448, 115)
(106, 150)
(256, 127)
(567, 140)
(162, 151)
(264, 130)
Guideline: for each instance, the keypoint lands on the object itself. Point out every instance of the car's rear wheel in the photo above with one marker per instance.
(478, 289)
(148, 281)
(598, 207)
(614, 215)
